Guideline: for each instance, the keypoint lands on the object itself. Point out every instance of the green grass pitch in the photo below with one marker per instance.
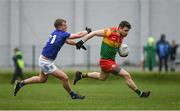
(112, 94)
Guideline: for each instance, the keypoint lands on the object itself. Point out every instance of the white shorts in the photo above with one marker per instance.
(46, 66)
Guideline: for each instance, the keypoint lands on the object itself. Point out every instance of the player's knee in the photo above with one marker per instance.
(65, 78)
(102, 78)
(42, 80)
(126, 75)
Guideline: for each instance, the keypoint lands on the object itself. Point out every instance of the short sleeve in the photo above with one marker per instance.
(67, 35)
(107, 32)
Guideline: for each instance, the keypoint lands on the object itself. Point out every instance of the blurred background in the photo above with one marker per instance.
(27, 24)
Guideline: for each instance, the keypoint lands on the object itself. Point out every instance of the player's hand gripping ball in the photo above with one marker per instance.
(123, 50)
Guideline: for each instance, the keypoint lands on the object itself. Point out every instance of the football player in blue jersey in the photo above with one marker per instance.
(49, 53)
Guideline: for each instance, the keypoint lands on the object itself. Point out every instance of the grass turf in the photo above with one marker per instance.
(111, 94)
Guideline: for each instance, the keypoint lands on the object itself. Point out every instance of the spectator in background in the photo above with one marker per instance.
(174, 47)
(18, 65)
(163, 51)
(150, 53)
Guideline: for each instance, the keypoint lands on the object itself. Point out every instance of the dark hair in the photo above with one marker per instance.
(58, 22)
(16, 49)
(125, 24)
(163, 37)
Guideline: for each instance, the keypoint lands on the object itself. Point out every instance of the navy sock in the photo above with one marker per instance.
(72, 93)
(21, 84)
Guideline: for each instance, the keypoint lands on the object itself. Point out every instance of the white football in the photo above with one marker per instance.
(123, 50)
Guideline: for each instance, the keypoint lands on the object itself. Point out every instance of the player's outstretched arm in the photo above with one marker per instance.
(99, 33)
(80, 34)
(70, 42)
